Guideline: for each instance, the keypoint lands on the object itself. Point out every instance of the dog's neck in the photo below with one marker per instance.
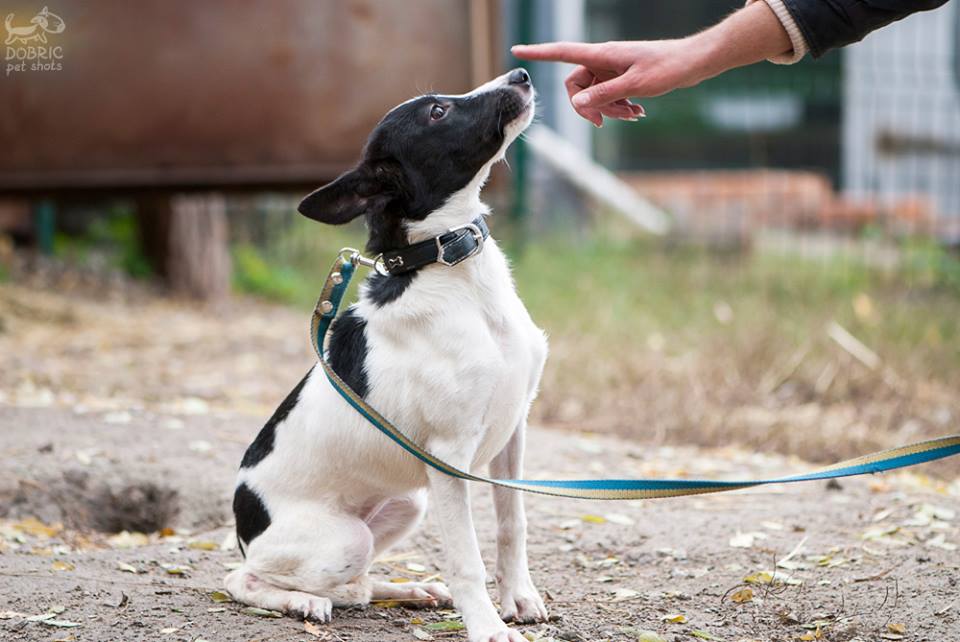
(459, 210)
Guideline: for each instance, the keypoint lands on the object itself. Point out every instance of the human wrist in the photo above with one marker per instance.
(702, 55)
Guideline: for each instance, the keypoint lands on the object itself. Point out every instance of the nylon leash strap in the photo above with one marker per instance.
(326, 311)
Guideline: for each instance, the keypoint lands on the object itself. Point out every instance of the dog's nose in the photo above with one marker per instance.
(519, 76)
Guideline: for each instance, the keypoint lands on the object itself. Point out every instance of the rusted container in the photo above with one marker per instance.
(154, 93)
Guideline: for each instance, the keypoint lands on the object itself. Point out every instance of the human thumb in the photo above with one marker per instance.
(604, 93)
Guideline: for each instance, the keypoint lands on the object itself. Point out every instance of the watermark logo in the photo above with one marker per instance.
(30, 47)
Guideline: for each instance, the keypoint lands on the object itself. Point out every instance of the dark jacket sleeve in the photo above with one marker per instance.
(828, 24)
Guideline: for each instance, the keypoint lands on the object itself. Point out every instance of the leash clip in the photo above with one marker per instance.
(477, 234)
(356, 258)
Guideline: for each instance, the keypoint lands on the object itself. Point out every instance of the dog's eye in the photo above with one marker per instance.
(438, 112)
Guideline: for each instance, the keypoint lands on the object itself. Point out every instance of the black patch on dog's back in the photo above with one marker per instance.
(252, 516)
(382, 290)
(348, 350)
(263, 444)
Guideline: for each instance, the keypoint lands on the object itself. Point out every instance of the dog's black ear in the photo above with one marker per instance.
(366, 189)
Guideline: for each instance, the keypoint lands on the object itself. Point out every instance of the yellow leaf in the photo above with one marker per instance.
(312, 629)
(743, 596)
(593, 519)
(202, 545)
(167, 532)
(60, 565)
(126, 539)
(675, 619)
(220, 597)
(763, 577)
(896, 627)
(33, 526)
(399, 580)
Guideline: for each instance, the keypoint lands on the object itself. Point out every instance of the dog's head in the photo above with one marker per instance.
(422, 154)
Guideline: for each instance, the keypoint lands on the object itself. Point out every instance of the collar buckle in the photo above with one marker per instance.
(477, 235)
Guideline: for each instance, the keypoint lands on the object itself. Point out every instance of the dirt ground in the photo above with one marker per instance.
(123, 421)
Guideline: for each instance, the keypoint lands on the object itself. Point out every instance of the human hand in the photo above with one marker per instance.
(608, 74)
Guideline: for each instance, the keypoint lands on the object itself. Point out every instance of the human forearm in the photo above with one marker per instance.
(749, 35)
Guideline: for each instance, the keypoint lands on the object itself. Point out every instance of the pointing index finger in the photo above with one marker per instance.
(578, 53)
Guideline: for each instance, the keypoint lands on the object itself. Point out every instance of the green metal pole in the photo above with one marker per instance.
(45, 224)
(519, 211)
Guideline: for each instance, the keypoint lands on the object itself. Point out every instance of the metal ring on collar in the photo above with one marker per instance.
(477, 234)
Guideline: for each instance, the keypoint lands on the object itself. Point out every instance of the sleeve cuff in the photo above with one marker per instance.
(799, 43)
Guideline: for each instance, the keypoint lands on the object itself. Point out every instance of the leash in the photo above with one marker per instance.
(326, 311)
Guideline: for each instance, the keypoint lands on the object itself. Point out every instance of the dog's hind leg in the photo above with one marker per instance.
(393, 521)
(247, 588)
(306, 563)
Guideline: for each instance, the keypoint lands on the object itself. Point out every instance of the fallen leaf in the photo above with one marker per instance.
(674, 619)
(169, 630)
(940, 541)
(220, 597)
(649, 636)
(203, 545)
(622, 595)
(446, 625)
(413, 567)
(746, 540)
(420, 634)
(896, 627)
(127, 568)
(60, 565)
(593, 519)
(257, 611)
(63, 624)
(703, 635)
(173, 569)
(33, 526)
(313, 629)
(743, 596)
(126, 539)
(617, 518)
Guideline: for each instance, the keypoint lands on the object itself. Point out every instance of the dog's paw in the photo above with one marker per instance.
(310, 607)
(522, 604)
(436, 594)
(500, 635)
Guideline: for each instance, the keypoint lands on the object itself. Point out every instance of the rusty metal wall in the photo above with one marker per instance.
(178, 93)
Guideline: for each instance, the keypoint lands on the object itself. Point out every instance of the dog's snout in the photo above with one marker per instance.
(519, 76)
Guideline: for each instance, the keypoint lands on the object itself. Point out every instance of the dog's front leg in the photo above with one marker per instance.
(519, 599)
(466, 575)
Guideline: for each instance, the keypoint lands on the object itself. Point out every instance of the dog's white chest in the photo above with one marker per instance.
(459, 359)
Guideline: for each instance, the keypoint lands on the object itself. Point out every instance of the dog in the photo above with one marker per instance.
(447, 352)
(40, 26)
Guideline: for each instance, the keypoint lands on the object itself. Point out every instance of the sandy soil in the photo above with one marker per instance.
(123, 412)
(869, 557)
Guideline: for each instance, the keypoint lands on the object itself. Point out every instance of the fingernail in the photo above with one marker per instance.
(581, 99)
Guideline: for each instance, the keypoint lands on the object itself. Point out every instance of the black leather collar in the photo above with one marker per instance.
(456, 245)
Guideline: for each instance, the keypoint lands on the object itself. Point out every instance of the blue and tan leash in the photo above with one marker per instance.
(326, 311)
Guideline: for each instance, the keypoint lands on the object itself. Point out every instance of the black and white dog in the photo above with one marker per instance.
(448, 353)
